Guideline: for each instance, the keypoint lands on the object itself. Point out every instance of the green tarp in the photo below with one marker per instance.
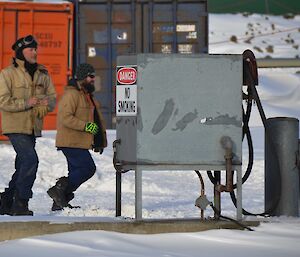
(254, 6)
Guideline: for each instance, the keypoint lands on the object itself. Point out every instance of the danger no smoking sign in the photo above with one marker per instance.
(126, 91)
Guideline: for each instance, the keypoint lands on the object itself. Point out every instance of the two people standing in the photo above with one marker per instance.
(27, 94)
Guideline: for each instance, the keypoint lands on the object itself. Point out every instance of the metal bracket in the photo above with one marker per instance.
(202, 202)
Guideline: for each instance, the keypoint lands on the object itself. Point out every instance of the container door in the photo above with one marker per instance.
(108, 29)
(52, 31)
(7, 37)
(105, 31)
(175, 27)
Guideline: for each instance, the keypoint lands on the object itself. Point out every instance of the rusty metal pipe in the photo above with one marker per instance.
(229, 173)
(278, 62)
(227, 144)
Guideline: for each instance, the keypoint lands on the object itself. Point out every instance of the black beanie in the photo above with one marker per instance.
(22, 43)
(84, 70)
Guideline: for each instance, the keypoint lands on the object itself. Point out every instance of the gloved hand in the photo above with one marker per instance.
(91, 127)
(31, 102)
(40, 111)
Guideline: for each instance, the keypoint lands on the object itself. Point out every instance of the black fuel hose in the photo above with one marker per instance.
(230, 219)
(252, 94)
(216, 211)
(246, 131)
(264, 121)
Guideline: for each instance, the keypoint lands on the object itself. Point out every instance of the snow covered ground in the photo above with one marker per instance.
(272, 36)
(172, 194)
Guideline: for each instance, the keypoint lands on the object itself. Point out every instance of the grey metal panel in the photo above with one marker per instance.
(186, 103)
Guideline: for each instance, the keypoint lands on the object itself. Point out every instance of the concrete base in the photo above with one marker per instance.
(15, 230)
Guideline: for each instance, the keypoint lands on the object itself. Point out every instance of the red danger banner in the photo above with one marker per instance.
(126, 75)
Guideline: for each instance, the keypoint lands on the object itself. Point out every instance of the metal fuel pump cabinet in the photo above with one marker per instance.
(179, 112)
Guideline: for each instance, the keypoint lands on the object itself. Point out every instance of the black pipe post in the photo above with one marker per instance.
(281, 149)
(118, 193)
(217, 194)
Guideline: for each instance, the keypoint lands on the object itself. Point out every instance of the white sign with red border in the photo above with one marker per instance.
(126, 91)
(126, 75)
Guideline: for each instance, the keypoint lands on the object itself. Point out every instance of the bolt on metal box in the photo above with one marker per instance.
(172, 110)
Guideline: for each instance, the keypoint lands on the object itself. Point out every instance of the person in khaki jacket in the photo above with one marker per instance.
(80, 127)
(26, 96)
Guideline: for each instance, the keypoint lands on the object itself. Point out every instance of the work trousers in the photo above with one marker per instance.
(81, 166)
(26, 165)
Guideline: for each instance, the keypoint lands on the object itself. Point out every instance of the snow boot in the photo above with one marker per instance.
(6, 201)
(69, 197)
(58, 192)
(55, 207)
(20, 207)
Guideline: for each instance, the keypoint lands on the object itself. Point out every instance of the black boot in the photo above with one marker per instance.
(6, 201)
(20, 207)
(69, 197)
(56, 207)
(58, 192)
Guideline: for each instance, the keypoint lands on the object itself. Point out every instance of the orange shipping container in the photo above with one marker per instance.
(52, 26)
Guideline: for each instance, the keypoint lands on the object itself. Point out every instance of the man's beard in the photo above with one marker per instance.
(89, 87)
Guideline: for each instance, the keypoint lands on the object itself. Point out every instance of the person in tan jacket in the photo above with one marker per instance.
(26, 96)
(80, 127)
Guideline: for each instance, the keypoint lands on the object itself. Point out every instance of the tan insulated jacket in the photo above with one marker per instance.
(74, 111)
(16, 87)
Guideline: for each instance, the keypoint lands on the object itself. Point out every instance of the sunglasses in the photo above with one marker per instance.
(26, 41)
(91, 76)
